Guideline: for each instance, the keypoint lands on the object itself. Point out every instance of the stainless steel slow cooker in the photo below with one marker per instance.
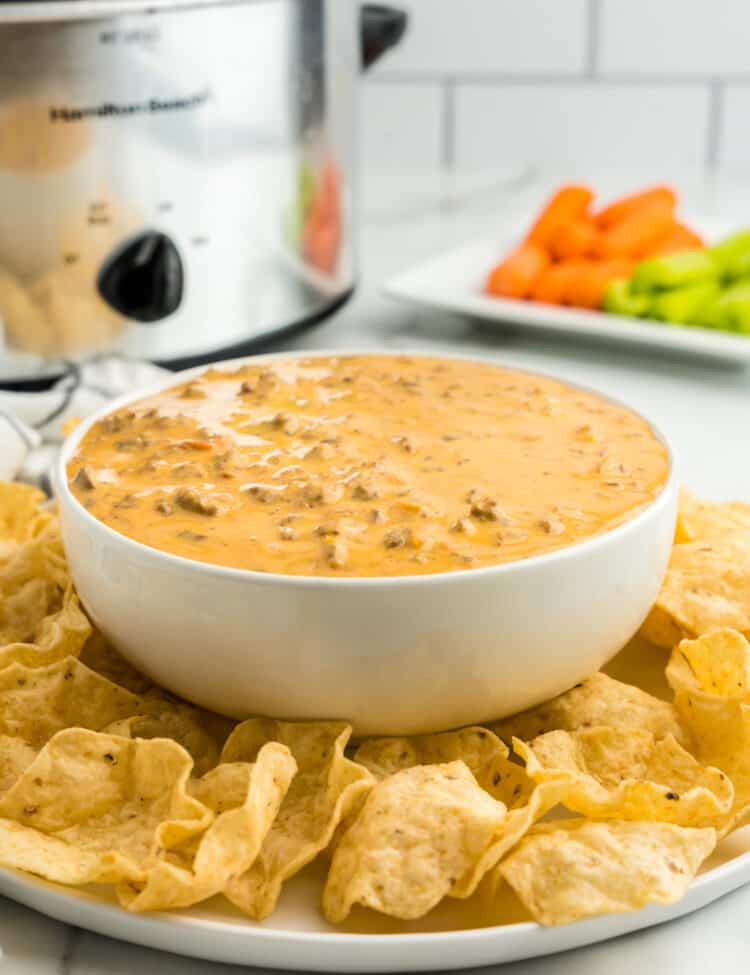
(177, 177)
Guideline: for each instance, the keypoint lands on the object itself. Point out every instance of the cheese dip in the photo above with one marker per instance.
(372, 465)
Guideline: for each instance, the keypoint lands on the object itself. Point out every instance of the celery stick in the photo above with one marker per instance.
(731, 311)
(732, 256)
(673, 271)
(684, 306)
(620, 300)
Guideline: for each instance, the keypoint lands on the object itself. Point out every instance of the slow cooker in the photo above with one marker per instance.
(177, 177)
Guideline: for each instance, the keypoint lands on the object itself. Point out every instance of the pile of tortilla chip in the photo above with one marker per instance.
(604, 799)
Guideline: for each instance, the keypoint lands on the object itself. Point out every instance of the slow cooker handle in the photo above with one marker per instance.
(382, 27)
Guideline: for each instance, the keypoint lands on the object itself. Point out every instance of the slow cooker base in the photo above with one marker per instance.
(260, 343)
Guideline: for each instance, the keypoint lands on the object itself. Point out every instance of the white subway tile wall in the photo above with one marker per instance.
(571, 125)
(466, 37)
(734, 134)
(676, 38)
(657, 83)
(402, 121)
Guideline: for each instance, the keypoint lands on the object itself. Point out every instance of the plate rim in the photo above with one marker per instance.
(336, 950)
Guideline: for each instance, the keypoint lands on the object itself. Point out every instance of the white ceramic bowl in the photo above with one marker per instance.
(392, 655)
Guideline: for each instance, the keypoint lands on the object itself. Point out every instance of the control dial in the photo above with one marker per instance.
(143, 279)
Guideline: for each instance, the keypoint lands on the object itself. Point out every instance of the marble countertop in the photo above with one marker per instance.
(701, 406)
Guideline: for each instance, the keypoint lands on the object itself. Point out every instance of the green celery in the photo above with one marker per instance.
(684, 306)
(732, 256)
(619, 299)
(731, 310)
(683, 269)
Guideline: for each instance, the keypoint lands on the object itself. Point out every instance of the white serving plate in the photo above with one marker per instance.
(297, 938)
(453, 282)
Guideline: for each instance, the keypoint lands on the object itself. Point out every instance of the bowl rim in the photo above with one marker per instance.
(194, 567)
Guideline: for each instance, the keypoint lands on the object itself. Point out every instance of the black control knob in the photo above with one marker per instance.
(143, 279)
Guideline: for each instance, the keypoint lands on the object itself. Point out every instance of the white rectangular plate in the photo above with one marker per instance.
(453, 282)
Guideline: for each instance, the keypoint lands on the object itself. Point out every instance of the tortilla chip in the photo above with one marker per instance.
(95, 808)
(22, 516)
(477, 747)
(572, 869)
(597, 701)
(40, 617)
(245, 799)
(36, 703)
(707, 587)
(326, 789)
(723, 735)
(61, 633)
(660, 628)
(615, 774)
(423, 834)
(98, 655)
(27, 589)
(641, 663)
(43, 549)
(201, 733)
(486, 757)
(709, 676)
(717, 664)
(15, 757)
(489, 761)
(698, 520)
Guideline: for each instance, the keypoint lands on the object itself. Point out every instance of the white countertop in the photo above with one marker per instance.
(703, 408)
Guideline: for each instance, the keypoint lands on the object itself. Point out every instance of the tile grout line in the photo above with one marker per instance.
(72, 938)
(717, 88)
(591, 51)
(557, 78)
(448, 124)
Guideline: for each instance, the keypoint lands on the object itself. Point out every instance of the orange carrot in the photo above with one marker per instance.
(637, 231)
(591, 279)
(574, 239)
(553, 283)
(515, 275)
(677, 238)
(568, 203)
(624, 207)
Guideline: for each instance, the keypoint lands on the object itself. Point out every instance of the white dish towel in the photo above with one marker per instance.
(31, 424)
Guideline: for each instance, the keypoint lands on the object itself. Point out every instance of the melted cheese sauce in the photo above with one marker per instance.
(367, 466)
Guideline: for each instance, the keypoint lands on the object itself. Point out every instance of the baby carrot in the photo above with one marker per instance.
(626, 205)
(636, 232)
(574, 239)
(515, 275)
(677, 238)
(568, 203)
(587, 286)
(553, 283)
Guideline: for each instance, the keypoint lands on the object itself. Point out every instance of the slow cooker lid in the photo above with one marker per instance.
(35, 11)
